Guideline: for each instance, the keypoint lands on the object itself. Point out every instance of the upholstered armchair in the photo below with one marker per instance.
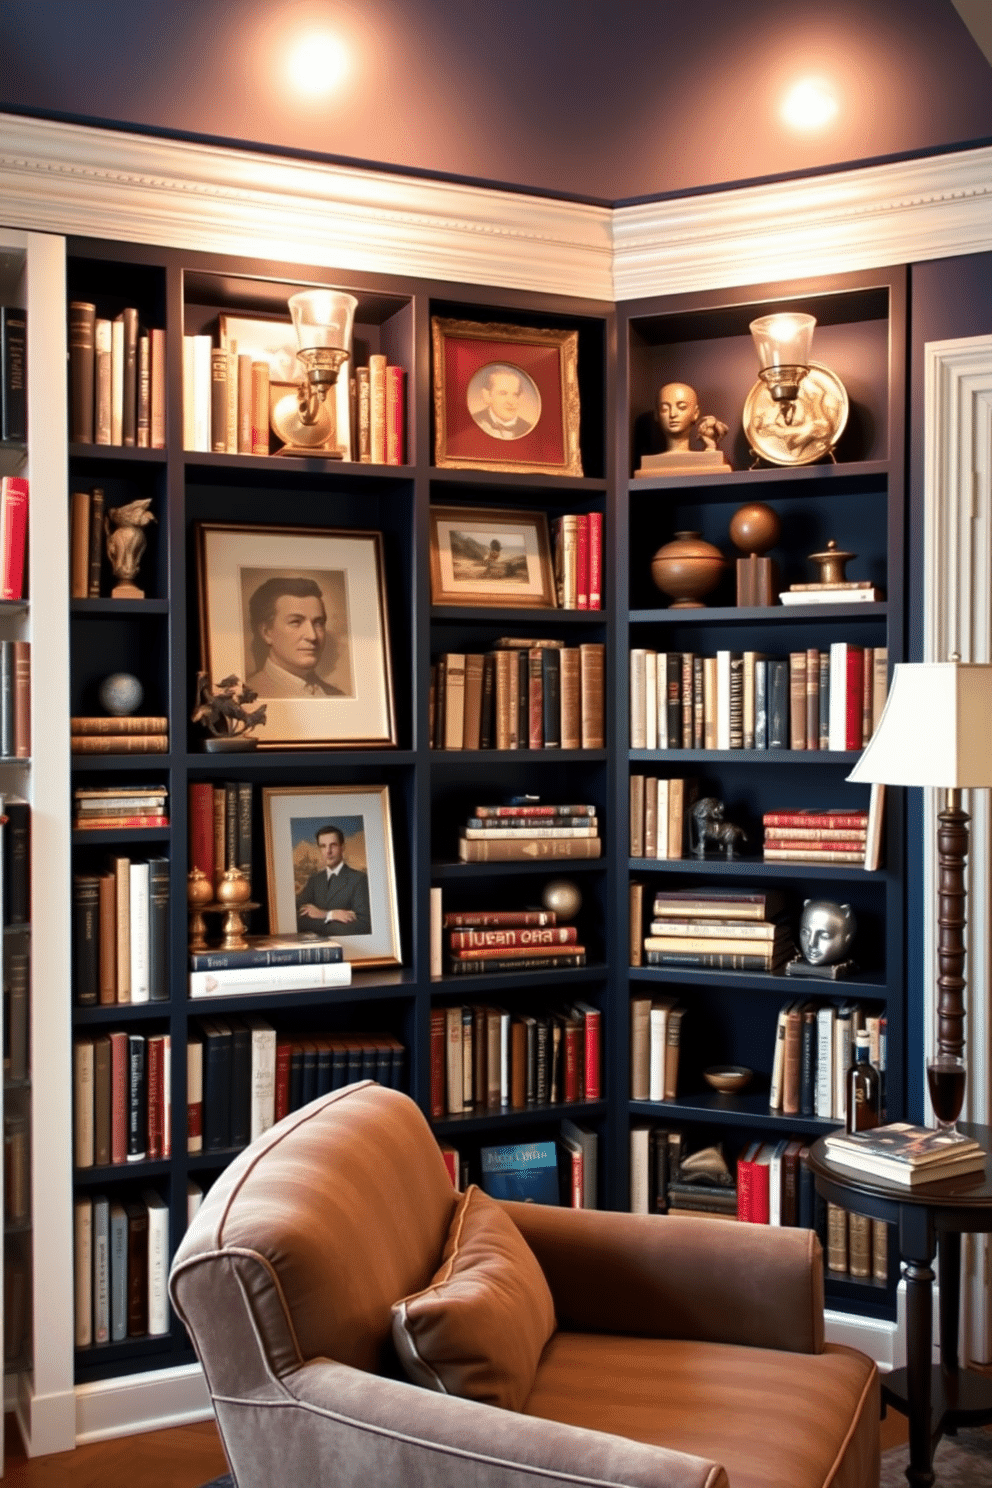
(360, 1323)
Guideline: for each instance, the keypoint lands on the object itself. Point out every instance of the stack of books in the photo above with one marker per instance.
(100, 808)
(511, 944)
(523, 694)
(906, 1154)
(130, 735)
(121, 1255)
(849, 591)
(814, 1044)
(718, 930)
(659, 816)
(116, 379)
(655, 1036)
(851, 837)
(577, 543)
(484, 1058)
(269, 963)
(521, 833)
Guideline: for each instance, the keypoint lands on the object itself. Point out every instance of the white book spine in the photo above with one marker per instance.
(268, 979)
(637, 699)
(640, 1137)
(651, 700)
(158, 1263)
(824, 1105)
(102, 353)
(778, 1061)
(723, 700)
(664, 819)
(82, 1094)
(82, 1219)
(504, 1058)
(263, 1078)
(118, 1273)
(117, 382)
(189, 393)
(202, 347)
(194, 1089)
(775, 1185)
(656, 1068)
(842, 1059)
(662, 700)
(101, 1270)
(437, 934)
(837, 717)
(140, 986)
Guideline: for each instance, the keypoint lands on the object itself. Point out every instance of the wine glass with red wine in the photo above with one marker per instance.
(946, 1080)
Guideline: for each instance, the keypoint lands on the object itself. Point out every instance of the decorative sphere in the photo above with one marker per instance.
(755, 527)
(233, 888)
(121, 693)
(562, 896)
(199, 889)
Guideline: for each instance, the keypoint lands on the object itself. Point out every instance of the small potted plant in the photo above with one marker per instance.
(225, 713)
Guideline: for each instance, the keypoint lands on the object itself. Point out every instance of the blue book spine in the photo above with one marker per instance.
(118, 1273)
(761, 705)
(527, 1172)
(313, 953)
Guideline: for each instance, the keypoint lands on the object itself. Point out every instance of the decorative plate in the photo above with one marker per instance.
(819, 415)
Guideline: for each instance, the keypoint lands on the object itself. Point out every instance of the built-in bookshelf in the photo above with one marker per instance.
(730, 1017)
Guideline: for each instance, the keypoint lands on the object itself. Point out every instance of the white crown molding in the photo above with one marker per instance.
(103, 183)
(858, 219)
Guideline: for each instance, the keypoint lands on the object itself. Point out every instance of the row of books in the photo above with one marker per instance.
(520, 695)
(15, 856)
(13, 373)
(121, 1263)
(715, 929)
(116, 379)
(515, 943)
(220, 827)
(134, 734)
(529, 831)
(122, 1098)
(561, 1172)
(851, 837)
(813, 699)
(121, 932)
(487, 1059)
(658, 816)
(577, 546)
(15, 699)
(226, 404)
(242, 1077)
(814, 1048)
(86, 542)
(14, 494)
(16, 1005)
(655, 1038)
(110, 807)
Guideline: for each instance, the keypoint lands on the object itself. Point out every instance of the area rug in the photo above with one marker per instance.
(962, 1461)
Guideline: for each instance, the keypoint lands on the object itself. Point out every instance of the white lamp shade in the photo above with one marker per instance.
(935, 729)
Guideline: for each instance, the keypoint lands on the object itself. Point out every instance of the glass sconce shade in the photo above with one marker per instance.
(323, 320)
(783, 343)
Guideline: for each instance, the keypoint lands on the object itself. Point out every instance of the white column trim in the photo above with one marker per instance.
(76, 179)
(958, 617)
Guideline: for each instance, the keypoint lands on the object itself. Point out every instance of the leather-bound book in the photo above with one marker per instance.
(144, 414)
(129, 417)
(220, 363)
(82, 317)
(85, 938)
(22, 699)
(137, 1268)
(395, 414)
(592, 667)
(102, 421)
(95, 543)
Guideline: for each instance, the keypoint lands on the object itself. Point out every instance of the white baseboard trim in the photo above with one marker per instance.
(129, 1404)
(880, 1339)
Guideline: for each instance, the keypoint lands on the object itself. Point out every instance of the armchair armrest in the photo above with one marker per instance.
(340, 1425)
(711, 1280)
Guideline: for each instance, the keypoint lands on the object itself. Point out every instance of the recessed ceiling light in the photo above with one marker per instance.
(316, 63)
(809, 104)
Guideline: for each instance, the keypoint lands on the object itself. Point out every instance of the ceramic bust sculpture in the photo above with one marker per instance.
(681, 421)
(826, 932)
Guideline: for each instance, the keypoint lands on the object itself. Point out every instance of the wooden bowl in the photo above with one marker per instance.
(728, 1077)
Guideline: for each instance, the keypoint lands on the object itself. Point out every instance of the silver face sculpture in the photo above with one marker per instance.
(826, 931)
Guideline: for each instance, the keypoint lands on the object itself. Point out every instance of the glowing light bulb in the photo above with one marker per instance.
(809, 104)
(316, 63)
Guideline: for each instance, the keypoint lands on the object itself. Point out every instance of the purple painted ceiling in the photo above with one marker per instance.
(602, 101)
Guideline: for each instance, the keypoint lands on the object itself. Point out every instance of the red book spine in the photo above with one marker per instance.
(201, 828)
(582, 562)
(395, 414)
(576, 1174)
(474, 940)
(592, 1025)
(450, 1155)
(571, 1092)
(284, 1056)
(818, 844)
(595, 560)
(13, 535)
(481, 917)
(156, 1098)
(535, 699)
(745, 1180)
(117, 822)
(855, 688)
(118, 1097)
(814, 819)
(437, 1067)
(760, 1193)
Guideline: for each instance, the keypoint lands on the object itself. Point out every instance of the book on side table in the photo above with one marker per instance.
(902, 1153)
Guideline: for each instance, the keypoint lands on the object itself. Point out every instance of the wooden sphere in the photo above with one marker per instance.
(687, 568)
(562, 896)
(755, 527)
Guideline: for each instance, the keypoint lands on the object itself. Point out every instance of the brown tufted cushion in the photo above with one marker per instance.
(478, 1330)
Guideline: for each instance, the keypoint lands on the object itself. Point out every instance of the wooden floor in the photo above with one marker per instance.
(184, 1457)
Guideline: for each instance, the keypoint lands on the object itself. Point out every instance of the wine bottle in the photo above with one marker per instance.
(864, 1088)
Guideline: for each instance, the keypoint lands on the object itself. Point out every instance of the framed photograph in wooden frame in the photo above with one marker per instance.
(299, 614)
(486, 556)
(330, 870)
(505, 398)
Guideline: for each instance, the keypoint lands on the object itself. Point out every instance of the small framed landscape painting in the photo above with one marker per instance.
(505, 398)
(491, 557)
(299, 615)
(330, 870)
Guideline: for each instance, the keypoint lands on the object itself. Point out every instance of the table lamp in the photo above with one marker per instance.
(934, 731)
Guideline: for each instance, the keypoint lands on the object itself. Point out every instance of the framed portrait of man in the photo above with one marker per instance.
(505, 398)
(299, 615)
(330, 869)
